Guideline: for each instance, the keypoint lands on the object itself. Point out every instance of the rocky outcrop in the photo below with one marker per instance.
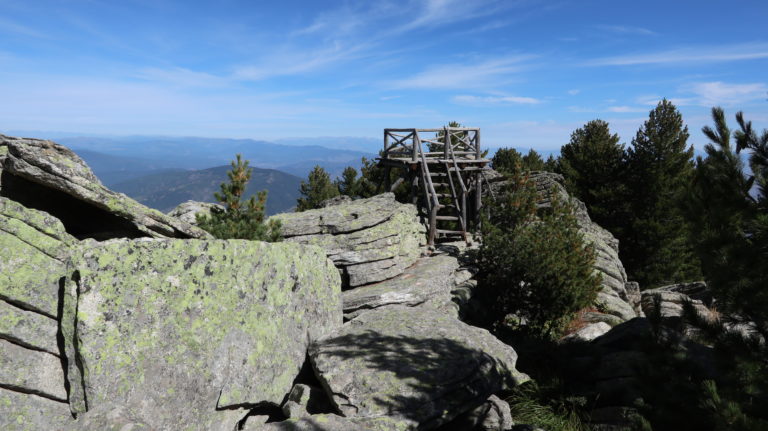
(419, 365)
(187, 211)
(175, 329)
(49, 177)
(670, 300)
(369, 240)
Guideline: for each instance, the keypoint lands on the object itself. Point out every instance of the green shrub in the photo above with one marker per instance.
(534, 263)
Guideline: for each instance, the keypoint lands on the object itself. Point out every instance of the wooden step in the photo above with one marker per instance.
(449, 232)
(444, 217)
(466, 169)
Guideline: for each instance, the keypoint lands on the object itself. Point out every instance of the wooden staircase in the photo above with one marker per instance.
(445, 176)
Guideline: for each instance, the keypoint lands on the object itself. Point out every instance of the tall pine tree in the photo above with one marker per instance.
(655, 247)
(592, 164)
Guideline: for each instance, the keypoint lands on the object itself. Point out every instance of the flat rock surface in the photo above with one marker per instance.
(34, 248)
(28, 328)
(48, 176)
(414, 364)
(31, 371)
(430, 279)
(329, 422)
(174, 329)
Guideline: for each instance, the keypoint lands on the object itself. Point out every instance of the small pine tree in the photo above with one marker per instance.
(534, 263)
(348, 184)
(239, 219)
(533, 161)
(316, 189)
(507, 160)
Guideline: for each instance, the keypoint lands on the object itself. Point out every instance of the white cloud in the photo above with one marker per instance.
(464, 75)
(699, 54)
(495, 100)
(574, 91)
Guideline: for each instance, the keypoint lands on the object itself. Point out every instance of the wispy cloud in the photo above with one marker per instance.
(701, 54)
(181, 77)
(574, 91)
(721, 93)
(708, 94)
(622, 109)
(465, 75)
(495, 100)
(624, 29)
(8, 26)
(297, 61)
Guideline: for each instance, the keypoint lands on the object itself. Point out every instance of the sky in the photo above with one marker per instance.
(527, 72)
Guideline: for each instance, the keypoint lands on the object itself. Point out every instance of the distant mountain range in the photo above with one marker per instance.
(164, 190)
(202, 153)
(162, 172)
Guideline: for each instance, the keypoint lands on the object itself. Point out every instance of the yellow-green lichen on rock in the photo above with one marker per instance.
(27, 412)
(34, 247)
(184, 327)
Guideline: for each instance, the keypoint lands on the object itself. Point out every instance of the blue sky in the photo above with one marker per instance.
(527, 72)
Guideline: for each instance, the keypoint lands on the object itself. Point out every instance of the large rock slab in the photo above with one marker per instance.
(419, 365)
(50, 177)
(26, 412)
(174, 329)
(429, 281)
(31, 371)
(34, 248)
(369, 240)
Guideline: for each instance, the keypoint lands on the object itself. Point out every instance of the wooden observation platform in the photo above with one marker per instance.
(444, 168)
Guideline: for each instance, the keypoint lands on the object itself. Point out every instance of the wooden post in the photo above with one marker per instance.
(478, 182)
